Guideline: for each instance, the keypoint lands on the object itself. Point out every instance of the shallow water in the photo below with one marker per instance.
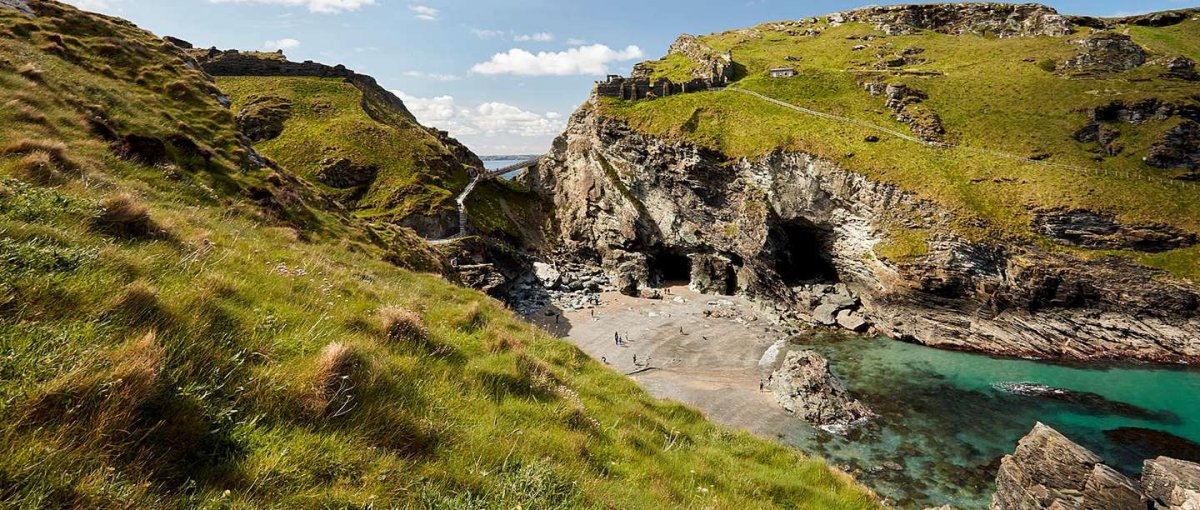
(947, 418)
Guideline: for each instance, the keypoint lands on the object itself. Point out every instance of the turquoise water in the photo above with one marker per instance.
(946, 419)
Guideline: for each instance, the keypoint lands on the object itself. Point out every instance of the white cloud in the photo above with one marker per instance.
(538, 37)
(321, 6)
(483, 33)
(91, 5)
(487, 120)
(584, 60)
(424, 12)
(432, 76)
(286, 43)
(576, 42)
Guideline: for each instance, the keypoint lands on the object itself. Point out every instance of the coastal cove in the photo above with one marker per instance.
(945, 417)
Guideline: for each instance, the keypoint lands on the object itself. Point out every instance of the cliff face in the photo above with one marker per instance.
(646, 209)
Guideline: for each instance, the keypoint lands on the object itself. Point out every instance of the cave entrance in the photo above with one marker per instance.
(669, 268)
(802, 252)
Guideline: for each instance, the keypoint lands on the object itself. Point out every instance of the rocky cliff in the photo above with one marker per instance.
(1049, 471)
(791, 209)
(648, 209)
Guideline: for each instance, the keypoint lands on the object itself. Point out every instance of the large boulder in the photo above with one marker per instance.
(1106, 52)
(1047, 471)
(805, 386)
(712, 274)
(1174, 484)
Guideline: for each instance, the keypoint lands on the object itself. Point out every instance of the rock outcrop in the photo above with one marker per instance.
(1106, 52)
(343, 173)
(1179, 147)
(1090, 229)
(711, 65)
(906, 103)
(1173, 484)
(263, 118)
(1050, 472)
(1001, 20)
(21, 6)
(804, 386)
(788, 220)
(1047, 470)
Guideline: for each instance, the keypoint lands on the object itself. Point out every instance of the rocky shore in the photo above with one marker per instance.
(1049, 471)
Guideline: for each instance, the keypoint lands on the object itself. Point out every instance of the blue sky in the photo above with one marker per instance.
(502, 76)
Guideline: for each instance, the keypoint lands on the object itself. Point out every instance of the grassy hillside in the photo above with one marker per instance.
(181, 327)
(994, 94)
(416, 173)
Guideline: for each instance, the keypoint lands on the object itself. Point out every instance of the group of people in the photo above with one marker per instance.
(762, 384)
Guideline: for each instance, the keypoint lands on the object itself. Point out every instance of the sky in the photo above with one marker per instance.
(501, 75)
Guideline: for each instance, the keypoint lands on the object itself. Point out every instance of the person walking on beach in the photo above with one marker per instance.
(760, 385)
(635, 360)
(616, 338)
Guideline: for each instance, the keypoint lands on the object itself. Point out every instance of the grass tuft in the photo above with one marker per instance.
(400, 326)
(57, 151)
(103, 398)
(125, 217)
(338, 367)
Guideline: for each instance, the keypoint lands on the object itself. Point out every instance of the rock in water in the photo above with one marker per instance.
(1174, 484)
(805, 387)
(1047, 471)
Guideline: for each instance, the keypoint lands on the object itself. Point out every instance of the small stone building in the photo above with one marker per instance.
(782, 72)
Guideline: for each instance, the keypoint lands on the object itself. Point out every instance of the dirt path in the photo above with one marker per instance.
(712, 363)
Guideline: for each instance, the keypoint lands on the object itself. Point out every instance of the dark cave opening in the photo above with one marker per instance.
(669, 268)
(801, 252)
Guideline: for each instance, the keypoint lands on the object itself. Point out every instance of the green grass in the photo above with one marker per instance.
(214, 338)
(988, 96)
(417, 174)
(504, 209)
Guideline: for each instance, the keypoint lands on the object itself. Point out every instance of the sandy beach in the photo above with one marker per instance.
(701, 350)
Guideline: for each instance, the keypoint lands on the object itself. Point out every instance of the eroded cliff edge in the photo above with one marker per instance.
(779, 227)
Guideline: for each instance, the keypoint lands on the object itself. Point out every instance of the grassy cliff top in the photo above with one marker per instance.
(1016, 95)
(183, 327)
(416, 172)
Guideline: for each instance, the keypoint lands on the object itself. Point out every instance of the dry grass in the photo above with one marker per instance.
(124, 216)
(31, 73)
(504, 342)
(57, 151)
(338, 367)
(536, 372)
(38, 167)
(103, 398)
(401, 325)
(25, 112)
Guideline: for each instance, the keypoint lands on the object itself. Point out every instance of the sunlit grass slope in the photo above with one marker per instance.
(182, 328)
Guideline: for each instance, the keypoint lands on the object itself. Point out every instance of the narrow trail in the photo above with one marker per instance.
(462, 212)
(963, 148)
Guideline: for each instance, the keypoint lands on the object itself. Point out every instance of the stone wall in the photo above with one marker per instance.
(643, 88)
